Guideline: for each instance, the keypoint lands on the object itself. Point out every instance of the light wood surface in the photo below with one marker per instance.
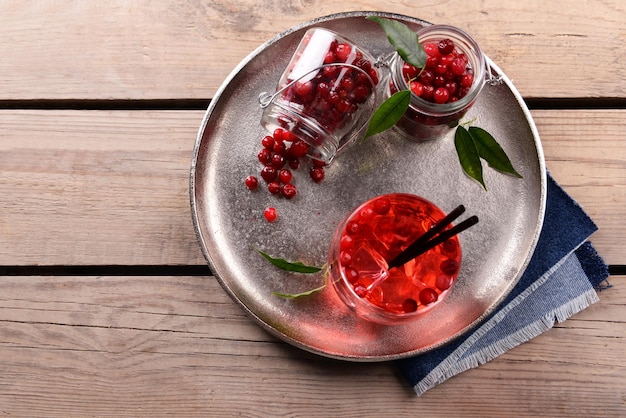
(153, 346)
(91, 177)
(162, 50)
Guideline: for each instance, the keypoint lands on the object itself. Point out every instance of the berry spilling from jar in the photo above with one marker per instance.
(281, 154)
(447, 76)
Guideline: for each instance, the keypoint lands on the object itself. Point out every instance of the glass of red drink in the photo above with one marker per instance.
(371, 236)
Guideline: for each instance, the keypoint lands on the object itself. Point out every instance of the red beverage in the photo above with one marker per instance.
(371, 236)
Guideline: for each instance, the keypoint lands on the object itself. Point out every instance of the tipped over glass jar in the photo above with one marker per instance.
(326, 94)
(443, 91)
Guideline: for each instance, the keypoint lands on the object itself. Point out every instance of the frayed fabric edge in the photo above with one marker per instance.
(525, 334)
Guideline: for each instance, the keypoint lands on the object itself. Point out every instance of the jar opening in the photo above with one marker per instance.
(465, 44)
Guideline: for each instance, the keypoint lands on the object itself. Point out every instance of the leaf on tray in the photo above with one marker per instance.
(489, 150)
(468, 155)
(296, 267)
(298, 295)
(389, 112)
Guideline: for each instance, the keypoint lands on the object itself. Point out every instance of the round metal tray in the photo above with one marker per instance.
(230, 226)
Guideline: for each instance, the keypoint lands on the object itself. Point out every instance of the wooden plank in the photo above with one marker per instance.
(155, 346)
(163, 50)
(111, 187)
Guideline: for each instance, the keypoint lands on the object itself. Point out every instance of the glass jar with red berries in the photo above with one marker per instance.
(446, 88)
(326, 93)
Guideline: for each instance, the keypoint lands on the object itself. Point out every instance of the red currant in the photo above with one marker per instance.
(274, 187)
(441, 95)
(279, 146)
(251, 182)
(345, 258)
(317, 174)
(360, 290)
(270, 214)
(417, 88)
(428, 296)
(409, 305)
(443, 282)
(382, 206)
(289, 191)
(343, 52)
(278, 160)
(449, 267)
(268, 173)
(285, 176)
(268, 142)
(299, 149)
(458, 66)
(278, 134)
(346, 243)
(294, 163)
(409, 71)
(445, 46)
(303, 88)
(351, 274)
(265, 156)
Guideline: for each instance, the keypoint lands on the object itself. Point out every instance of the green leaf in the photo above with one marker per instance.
(468, 155)
(489, 150)
(404, 40)
(296, 267)
(389, 112)
(299, 295)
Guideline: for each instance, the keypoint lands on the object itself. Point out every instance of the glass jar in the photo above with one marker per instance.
(426, 120)
(325, 95)
(371, 236)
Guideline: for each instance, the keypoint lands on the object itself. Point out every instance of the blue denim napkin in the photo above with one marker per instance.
(559, 281)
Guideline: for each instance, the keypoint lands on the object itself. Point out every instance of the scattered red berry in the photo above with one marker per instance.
(270, 214)
(274, 187)
(268, 173)
(265, 156)
(285, 176)
(317, 174)
(278, 160)
(251, 182)
(289, 191)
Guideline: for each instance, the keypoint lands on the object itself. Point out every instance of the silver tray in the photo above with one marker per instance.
(230, 226)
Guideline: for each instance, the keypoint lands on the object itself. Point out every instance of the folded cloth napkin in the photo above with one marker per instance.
(559, 281)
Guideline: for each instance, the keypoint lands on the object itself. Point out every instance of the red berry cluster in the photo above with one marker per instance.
(281, 153)
(335, 92)
(447, 76)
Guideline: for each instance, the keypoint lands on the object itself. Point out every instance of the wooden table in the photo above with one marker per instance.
(107, 307)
